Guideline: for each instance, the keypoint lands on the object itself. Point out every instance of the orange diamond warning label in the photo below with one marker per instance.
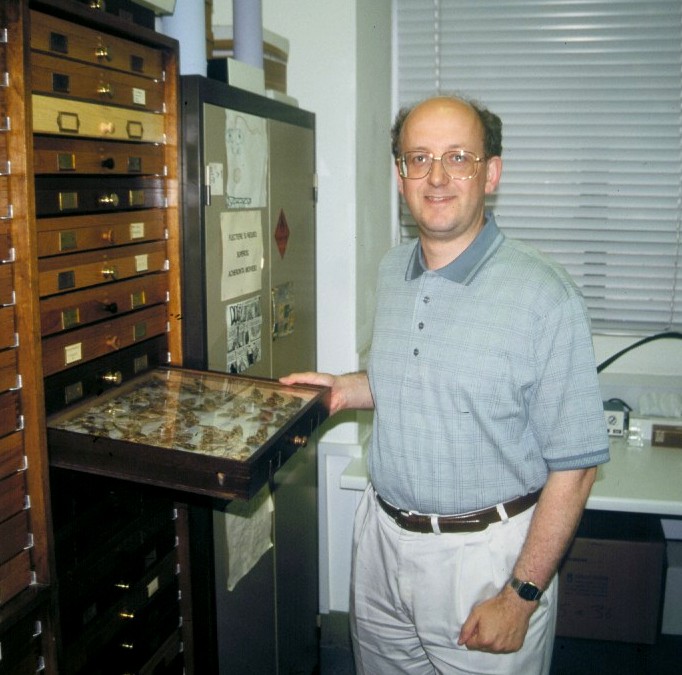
(282, 233)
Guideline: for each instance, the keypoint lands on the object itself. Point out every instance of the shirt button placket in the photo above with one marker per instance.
(426, 299)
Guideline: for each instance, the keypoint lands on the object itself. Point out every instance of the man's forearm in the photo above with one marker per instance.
(554, 523)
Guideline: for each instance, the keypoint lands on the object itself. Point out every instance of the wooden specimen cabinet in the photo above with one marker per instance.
(98, 571)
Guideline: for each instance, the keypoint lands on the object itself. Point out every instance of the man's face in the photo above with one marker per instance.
(447, 210)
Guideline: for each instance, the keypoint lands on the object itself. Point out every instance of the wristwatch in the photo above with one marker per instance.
(526, 589)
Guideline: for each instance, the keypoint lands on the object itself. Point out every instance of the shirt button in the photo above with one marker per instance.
(427, 299)
(420, 325)
(416, 352)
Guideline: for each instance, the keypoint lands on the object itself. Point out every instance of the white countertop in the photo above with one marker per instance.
(636, 480)
(639, 480)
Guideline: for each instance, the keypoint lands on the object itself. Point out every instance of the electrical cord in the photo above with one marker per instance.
(639, 343)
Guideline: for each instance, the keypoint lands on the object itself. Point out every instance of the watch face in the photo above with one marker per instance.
(528, 591)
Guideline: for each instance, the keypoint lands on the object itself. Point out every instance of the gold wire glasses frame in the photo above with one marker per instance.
(457, 164)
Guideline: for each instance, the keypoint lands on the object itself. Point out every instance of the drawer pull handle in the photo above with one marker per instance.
(299, 441)
(113, 341)
(111, 307)
(114, 378)
(108, 200)
(102, 52)
(105, 90)
(108, 236)
(97, 4)
(110, 273)
(107, 128)
(108, 163)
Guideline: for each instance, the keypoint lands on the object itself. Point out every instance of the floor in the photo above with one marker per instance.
(571, 657)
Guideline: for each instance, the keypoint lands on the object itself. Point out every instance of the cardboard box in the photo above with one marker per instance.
(610, 583)
(672, 603)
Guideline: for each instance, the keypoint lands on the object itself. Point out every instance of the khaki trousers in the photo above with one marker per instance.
(411, 593)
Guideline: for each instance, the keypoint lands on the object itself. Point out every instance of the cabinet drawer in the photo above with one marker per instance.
(62, 38)
(63, 351)
(13, 536)
(5, 210)
(91, 194)
(81, 233)
(71, 155)
(20, 647)
(6, 284)
(65, 117)
(63, 312)
(52, 75)
(11, 454)
(15, 576)
(7, 332)
(12, 495)
(81, 270)
(5, 241)
(143, 634)
(92, 379)
(9, 412)
(8, 369)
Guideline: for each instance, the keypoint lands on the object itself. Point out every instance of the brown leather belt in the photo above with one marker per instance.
(474, 521)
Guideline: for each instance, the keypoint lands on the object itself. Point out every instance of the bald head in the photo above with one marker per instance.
(490, 125)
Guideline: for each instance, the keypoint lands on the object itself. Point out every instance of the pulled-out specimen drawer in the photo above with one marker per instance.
(200, 432)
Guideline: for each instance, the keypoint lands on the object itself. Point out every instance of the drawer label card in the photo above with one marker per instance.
(68, 122)
(137, 299)
(68, 201)
(136, 197)
(136, 64)
(137, 230)
(73, 353)
(152, 587)
(142, 262)
(72, 392)
(59, 43)
(140, 331)
(139, 96)
(66, 161)
(134, 164)
(70, 317)
(140, 364)
(66, 280)
(134, 129)
(61, 83)
(67, 240)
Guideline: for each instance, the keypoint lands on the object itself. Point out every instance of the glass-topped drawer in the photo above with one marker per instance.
(194, 431)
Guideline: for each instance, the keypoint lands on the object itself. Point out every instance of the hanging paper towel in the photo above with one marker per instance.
(248, 528)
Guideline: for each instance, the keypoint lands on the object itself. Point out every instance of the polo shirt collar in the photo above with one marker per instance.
(463, 268)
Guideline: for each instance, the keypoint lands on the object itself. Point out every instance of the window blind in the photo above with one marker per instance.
(590, 95)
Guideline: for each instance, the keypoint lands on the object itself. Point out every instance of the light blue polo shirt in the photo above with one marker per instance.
(483, 377)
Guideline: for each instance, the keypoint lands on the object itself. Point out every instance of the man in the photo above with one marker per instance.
(487, 406)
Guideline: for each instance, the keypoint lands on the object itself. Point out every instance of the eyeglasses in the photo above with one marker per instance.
(457, 164)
